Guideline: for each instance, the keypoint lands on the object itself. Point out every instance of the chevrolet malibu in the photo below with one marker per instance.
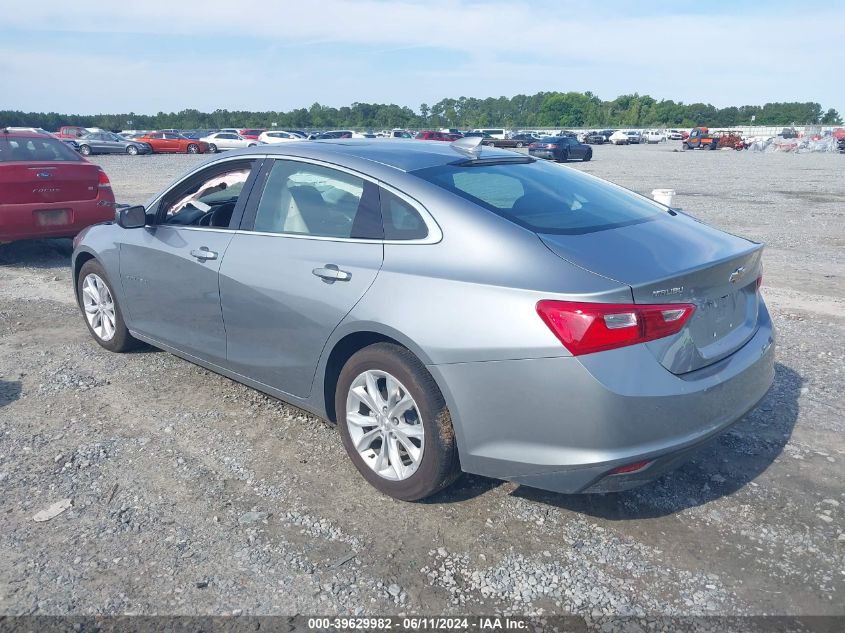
(450, 307)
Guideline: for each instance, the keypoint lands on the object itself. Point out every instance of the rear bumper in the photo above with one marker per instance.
(563, 424)
(19, 221)
(542, 153)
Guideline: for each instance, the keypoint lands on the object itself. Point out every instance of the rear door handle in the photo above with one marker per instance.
(202, 253)
(330, 273)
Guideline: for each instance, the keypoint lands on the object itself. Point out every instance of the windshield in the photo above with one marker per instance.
(544, 197)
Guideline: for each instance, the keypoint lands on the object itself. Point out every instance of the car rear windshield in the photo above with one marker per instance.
(544, 197)
(24, 148)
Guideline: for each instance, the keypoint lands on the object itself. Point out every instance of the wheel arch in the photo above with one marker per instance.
(346, 344)
(79, 261)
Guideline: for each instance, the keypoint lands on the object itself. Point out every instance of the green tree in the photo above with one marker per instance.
(831, 117)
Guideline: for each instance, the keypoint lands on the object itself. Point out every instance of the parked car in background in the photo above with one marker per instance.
(635, 137)
(607, 134)
(560, 148)
(398, 134)
(71, 132)
(172, 143)
(47, 189)
(334, 134)
(494, 132)
(675, 135)
(251, 133)
(653, 136)
(279, 136)
(594, 138)
(111, 143)
(619, 137)
(523, 140)
(434, 135)
(227, 140)
(554, 356)
(198, 134)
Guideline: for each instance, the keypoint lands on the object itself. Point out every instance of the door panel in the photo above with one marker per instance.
(278, 313)
(169, 271)
(171, 295)
(283, 290)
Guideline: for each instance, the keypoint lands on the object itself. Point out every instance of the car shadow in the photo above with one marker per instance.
(45, 254)
(10, 390)
(718, 469)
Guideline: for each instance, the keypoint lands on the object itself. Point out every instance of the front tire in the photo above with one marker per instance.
(132, 150)
(102, 313)
(394, 423)
(193, 148)
(588, 156)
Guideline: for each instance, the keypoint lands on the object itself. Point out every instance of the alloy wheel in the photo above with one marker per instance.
(384, 424)
(99, 306)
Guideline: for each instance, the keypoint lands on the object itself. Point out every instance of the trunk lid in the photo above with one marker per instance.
(48, 182)
(676, 259)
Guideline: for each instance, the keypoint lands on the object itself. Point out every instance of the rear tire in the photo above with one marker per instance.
(85, 150)
(212, 148)
(437, 466)
(120, 340)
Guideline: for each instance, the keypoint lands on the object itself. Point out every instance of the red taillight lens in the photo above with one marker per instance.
(759, 281)
(103, 180)
(630, 468)
(584, 328)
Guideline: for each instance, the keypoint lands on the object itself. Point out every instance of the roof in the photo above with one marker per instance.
(23, 133)
(402, 154)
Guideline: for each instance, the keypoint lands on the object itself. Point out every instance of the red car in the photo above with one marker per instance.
(172, 143)
(251, 133)
(47, 189)
(436, 136)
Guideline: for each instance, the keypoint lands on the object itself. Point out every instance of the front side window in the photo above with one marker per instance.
(207, 199)
(544, 197)
(305, 199)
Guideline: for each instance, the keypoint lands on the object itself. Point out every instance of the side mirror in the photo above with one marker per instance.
(131, 217)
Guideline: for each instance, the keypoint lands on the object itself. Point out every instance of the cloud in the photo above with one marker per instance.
(286, 54)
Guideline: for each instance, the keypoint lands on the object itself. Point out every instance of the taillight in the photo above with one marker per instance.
(759, 281)
(103, 180)
(630, 468)
(584, 328)
(550, 145)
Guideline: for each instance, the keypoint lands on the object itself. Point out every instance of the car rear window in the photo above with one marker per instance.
(23, 148)
(544, 197)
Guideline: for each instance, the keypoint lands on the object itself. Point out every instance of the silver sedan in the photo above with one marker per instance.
(227, 140)
(450, 307)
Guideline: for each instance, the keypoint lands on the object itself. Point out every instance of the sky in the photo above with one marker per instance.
(102, 56)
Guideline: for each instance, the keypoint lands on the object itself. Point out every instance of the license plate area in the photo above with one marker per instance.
(53, 217)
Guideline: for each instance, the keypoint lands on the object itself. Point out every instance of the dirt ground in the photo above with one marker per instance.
(192, 494)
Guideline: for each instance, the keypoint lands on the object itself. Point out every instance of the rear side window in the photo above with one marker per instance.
(543, 197)
(35, 149)
(401, 220)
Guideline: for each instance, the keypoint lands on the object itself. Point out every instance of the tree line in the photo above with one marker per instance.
(541, 110)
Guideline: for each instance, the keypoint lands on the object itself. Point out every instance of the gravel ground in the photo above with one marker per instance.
(192, 494)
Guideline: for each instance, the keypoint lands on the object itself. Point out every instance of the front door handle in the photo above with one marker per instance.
(202, 253)
(330, 273)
